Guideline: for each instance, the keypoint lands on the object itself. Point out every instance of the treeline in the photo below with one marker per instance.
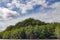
(32, 29)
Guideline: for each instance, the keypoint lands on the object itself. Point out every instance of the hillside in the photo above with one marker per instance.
(31, 29)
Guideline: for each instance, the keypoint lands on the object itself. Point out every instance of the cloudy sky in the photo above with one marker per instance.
(13, 11)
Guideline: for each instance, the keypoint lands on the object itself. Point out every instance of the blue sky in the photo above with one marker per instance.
(13, 11)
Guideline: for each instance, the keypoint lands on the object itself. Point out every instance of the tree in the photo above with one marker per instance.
(7, 35)
(9, 28)
(31, 29)
(57, 32)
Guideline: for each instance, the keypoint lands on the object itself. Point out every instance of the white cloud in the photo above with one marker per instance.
(28, 6)
(6, 14)
(54, 15)
(55, 5)
(4, 1)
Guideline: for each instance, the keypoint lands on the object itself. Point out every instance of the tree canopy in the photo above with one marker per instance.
(31, 29)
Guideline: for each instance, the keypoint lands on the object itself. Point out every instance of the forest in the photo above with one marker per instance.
(32, 29)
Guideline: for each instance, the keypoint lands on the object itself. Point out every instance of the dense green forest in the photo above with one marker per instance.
(31, 29)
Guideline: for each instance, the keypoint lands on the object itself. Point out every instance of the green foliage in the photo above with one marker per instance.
(6, 35)
(57, 32)
(9, 28)
(31, 29)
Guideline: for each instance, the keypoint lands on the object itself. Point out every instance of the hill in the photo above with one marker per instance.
(31, 29)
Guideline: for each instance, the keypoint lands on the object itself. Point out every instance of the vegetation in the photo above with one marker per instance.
(32, 29)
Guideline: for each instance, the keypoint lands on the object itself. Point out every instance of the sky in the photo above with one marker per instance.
(13, 11)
